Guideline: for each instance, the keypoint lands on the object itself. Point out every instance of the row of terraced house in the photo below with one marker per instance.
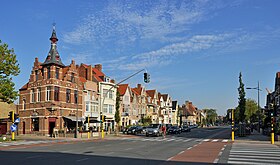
(59, 96)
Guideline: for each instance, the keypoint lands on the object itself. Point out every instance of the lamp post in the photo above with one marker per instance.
(76, 100)
(258, 89)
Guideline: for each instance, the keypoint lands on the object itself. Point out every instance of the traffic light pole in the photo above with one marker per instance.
(13, 120)
(272, 123)
(232, 124)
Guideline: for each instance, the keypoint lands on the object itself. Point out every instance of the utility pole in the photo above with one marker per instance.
(13, 121)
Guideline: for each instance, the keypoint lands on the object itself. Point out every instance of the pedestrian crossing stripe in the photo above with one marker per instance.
(160, 139)
(254, 154)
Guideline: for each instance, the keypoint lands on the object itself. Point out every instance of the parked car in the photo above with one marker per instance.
(135, 130)
(174, 130)
(186, 128)
(154, 130)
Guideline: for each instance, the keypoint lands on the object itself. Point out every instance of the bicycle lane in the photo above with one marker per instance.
(204, 152)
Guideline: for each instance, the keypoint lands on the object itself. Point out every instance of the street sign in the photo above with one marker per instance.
(17, 121)
(13, 127)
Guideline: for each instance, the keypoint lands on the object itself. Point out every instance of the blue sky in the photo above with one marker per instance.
(194, 50)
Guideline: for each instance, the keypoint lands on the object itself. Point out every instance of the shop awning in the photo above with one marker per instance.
(92, 120)
(73, 118)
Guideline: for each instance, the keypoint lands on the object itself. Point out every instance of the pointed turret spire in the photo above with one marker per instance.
(53, 56)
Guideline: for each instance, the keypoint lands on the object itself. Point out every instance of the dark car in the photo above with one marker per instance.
(174, 130)
(185, 128)
(135, 130)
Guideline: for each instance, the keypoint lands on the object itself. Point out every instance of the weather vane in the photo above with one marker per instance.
(54, 25)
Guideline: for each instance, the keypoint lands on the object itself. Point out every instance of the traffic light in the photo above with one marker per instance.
(15, 116)
(101, 118)
(146, 77)
(11, 115)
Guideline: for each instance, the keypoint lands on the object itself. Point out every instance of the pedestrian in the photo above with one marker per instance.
(163, 128)
(55, 132)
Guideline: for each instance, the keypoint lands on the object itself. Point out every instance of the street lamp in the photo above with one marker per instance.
(76, 94)
(258, 89)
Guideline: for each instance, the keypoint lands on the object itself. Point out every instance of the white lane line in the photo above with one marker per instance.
(216, 161)
(206, 140)
(180, 152)
(36, 156)
(187, 140)
(109, 153)
(215, 140)
(82, 159)
(243, 162)
(170, 140)
(225, 140)
(255, 156)
(223, 149)
(170, 158)
(189, 148)
(128, 149)
(254, 160)
(16, 148)
(270, 152)
(220, 153)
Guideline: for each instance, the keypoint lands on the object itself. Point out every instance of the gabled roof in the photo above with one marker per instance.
(151, 93)
(122, 89)
(164, 96)
(135, 91)
(24, 87)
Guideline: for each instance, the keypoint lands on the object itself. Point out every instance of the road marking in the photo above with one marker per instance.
(170, 158)
(254, 156)
(189, 148)
(109, 153)
(17, 148)
(82, 159)
(215, 140)
(223, 148)
(187, 140)
(180, 152)
(36, 156)
(128, 149)
(220, 154)
(254, 160)
(216, 161)
(206, 140)
(225, 140)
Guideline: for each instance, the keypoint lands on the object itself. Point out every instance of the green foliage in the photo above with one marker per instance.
(242, 99)
(117, 114)
(146, 121)
(251, 110)
(211, 116)
(8, 67)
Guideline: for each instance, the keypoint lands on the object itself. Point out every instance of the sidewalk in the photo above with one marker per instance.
(255, 137)
(68, 137)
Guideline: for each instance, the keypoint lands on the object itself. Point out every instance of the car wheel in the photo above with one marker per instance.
(147, 135)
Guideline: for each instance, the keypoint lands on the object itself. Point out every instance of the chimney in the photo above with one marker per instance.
(99, 67)
(89, 73)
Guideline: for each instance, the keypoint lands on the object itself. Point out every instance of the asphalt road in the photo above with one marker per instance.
(119, 150)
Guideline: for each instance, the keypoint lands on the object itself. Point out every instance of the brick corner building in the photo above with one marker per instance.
(52, 97)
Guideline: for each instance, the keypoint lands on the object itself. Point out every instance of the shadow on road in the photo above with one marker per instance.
(47, 158)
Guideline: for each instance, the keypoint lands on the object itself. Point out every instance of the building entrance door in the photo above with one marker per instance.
(51, 127)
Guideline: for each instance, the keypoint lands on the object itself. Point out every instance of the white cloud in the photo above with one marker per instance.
(130, 20)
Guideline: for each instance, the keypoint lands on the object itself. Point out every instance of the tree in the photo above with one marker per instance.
(9, 67)
(242, 99)
(117, 114)
(251, 110)
(211, 116)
